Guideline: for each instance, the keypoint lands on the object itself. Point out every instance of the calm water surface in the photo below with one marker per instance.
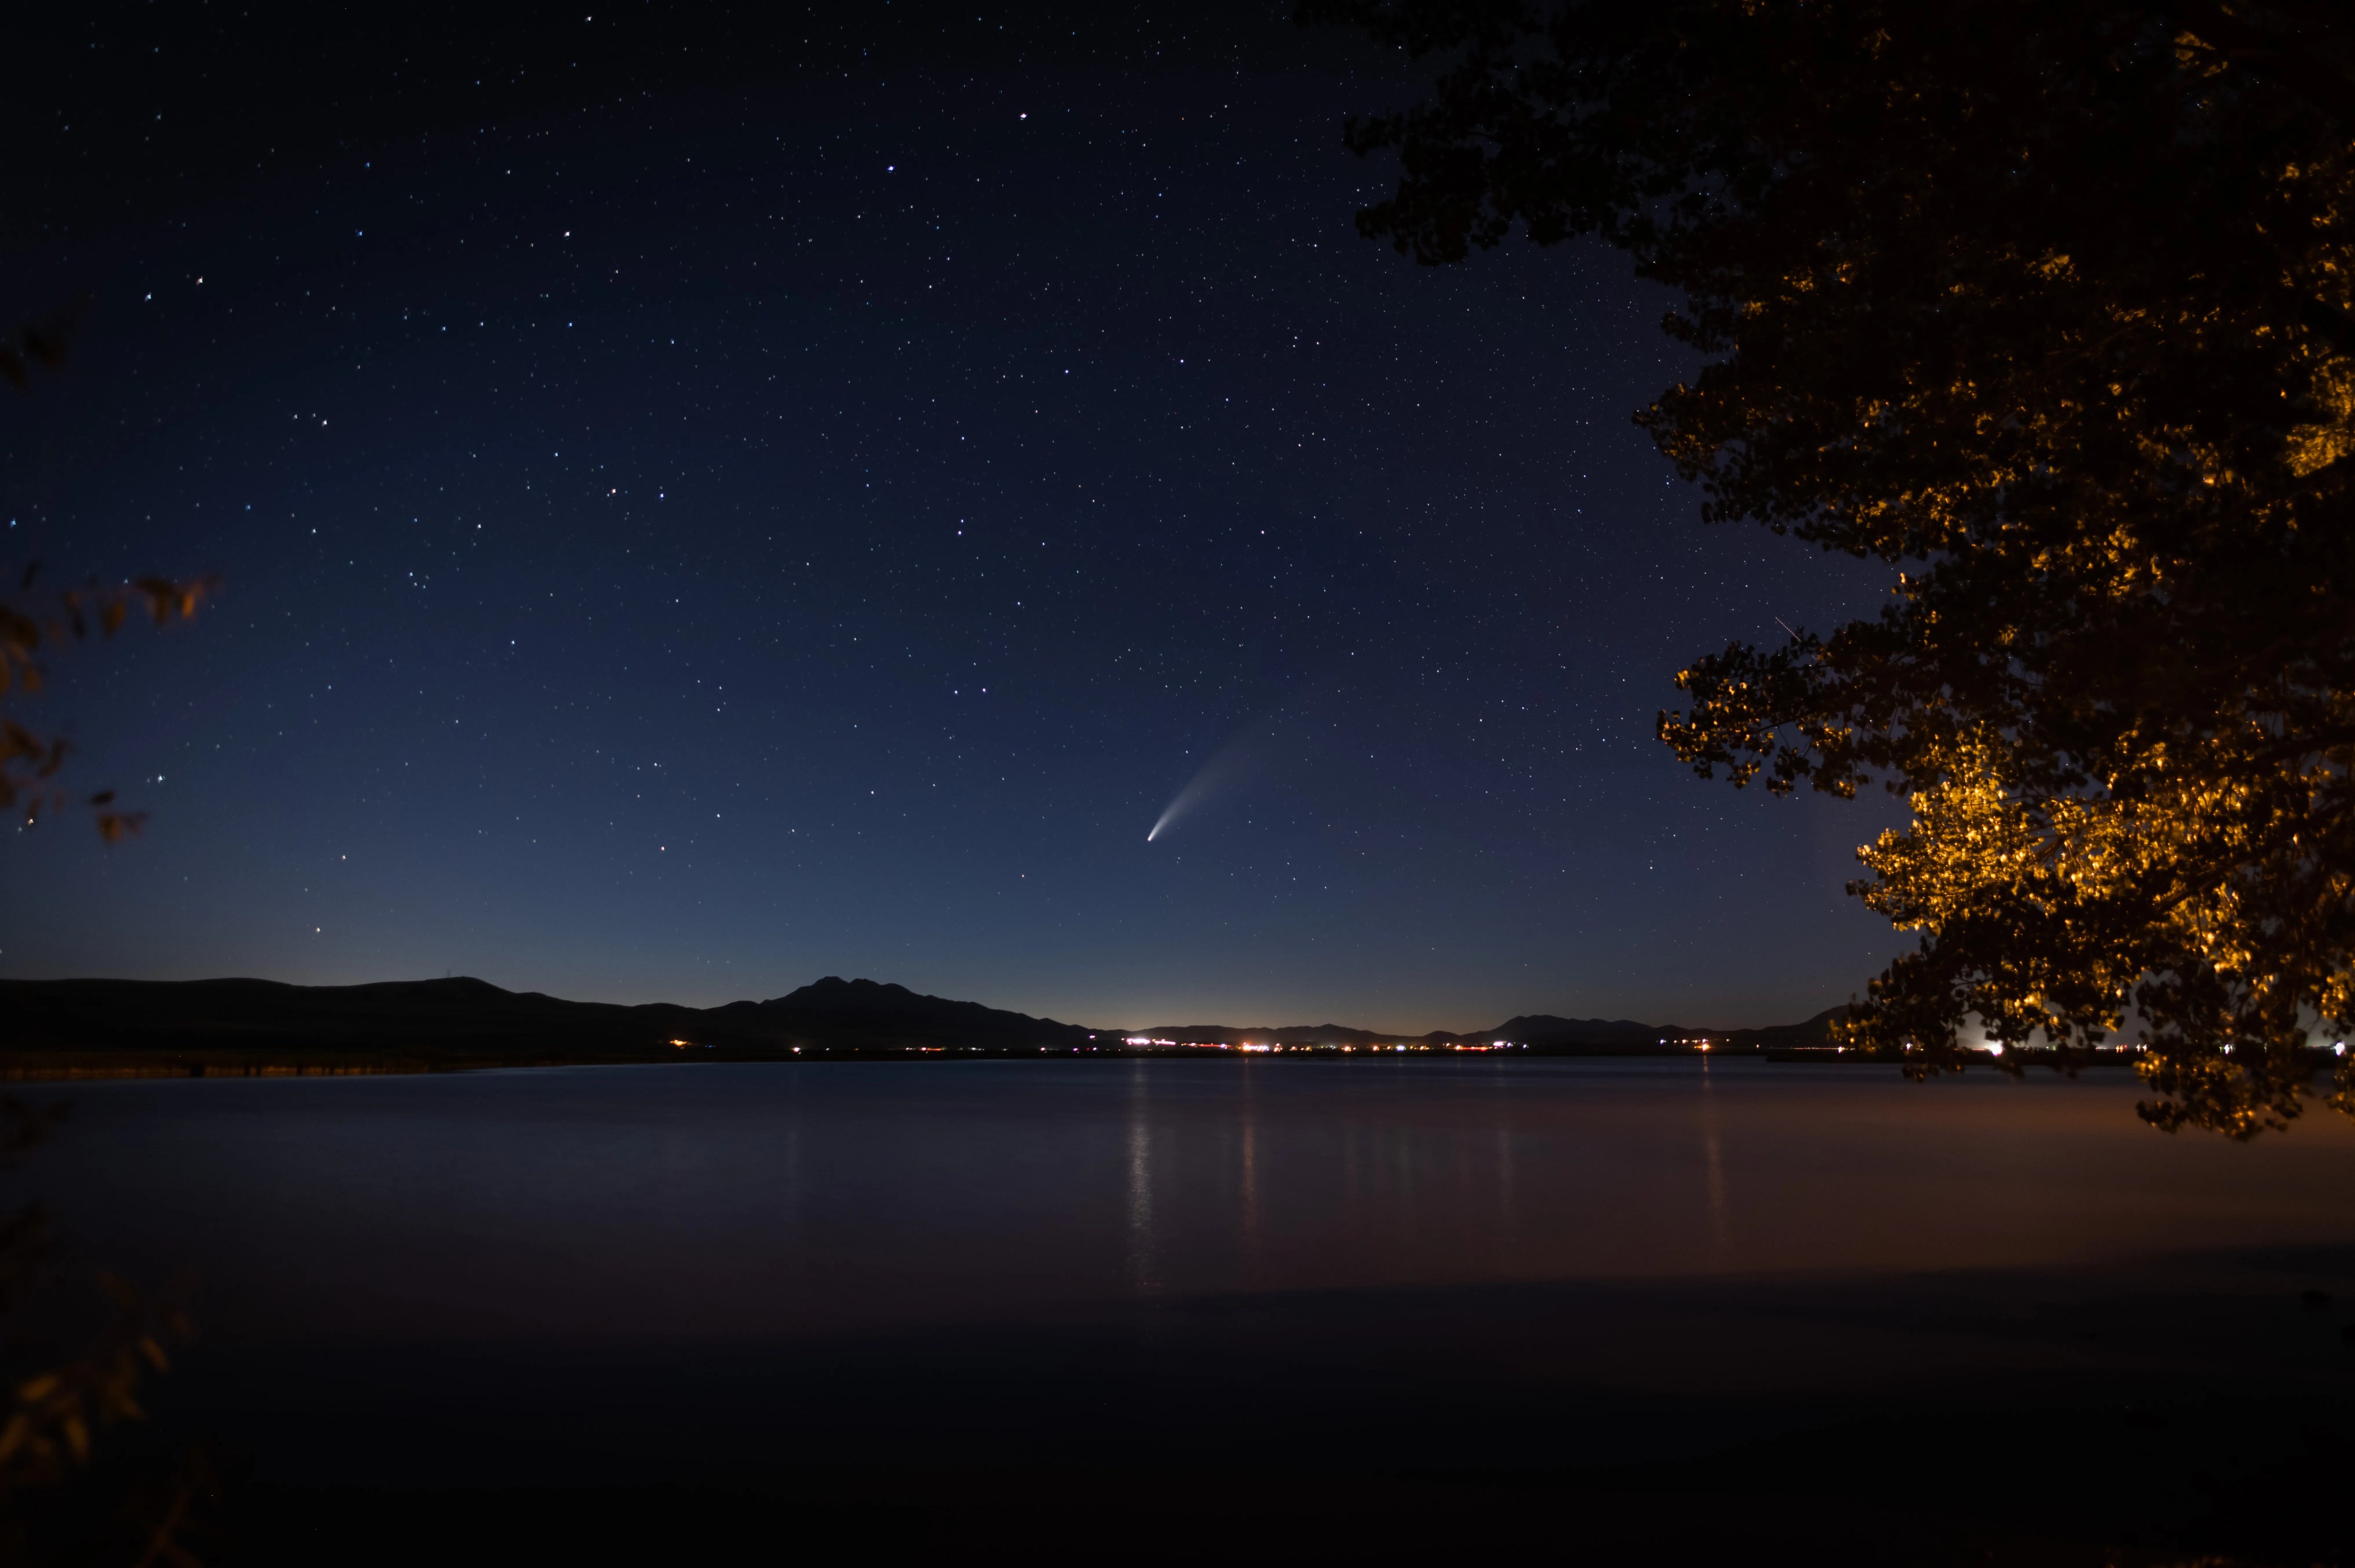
(723, 1203)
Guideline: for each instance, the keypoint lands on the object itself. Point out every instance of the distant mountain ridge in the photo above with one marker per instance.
(442, 1021)
(880, 1007)
(1539, 1030)
(1545, 1030)
(243, 1024)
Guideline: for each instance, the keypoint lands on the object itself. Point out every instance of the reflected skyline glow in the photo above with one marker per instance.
(758, 1202)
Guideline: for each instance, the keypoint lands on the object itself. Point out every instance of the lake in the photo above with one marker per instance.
(757, 1201)
(732, 1272)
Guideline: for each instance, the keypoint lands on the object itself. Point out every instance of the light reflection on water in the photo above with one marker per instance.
(1721, 1219)
(764, 1200)
(1143, 1279)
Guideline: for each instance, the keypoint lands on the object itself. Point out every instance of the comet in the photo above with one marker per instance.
(1179, 805)
(1229, 765)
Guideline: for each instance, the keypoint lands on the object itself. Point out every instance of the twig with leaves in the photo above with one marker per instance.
(53, 1414)
(32, 619)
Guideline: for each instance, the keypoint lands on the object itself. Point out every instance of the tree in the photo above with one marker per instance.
(2049, 306)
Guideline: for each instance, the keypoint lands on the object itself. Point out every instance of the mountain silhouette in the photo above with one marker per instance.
(242, 1025)
(471, 1022)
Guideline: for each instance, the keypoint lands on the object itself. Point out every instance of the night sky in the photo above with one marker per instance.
(702, 510)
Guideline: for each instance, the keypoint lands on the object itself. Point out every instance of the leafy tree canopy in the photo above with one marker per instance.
(2050, 306)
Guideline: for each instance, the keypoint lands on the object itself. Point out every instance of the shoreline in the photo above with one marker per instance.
(55, 1066)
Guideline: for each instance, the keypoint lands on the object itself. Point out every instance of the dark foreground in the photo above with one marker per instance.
(2197, 1410)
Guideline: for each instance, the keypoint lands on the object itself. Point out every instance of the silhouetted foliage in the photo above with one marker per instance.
(59, 1403)
(33, 618)
(30, 619)
(2049, 306)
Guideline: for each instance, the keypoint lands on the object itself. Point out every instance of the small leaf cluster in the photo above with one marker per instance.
(52, 1412)
(31, 620)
